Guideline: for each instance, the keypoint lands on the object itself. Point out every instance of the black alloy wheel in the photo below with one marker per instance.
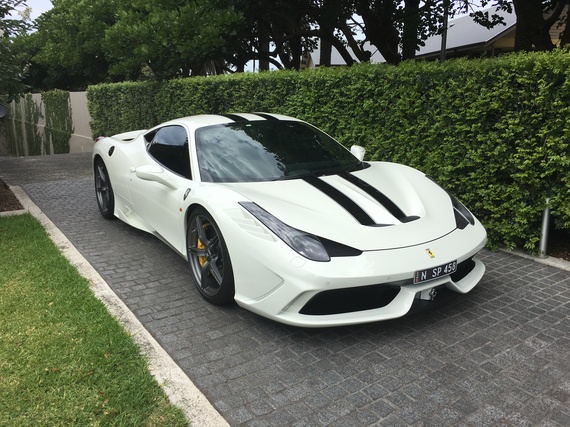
(104, 191)
(209, 259)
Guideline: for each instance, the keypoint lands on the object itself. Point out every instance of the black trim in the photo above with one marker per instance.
(351, 300)
(460, 219)
(343, 200)
(463, 269)
(266, 116)
(379, 197)
(335, 249)
(235, 117)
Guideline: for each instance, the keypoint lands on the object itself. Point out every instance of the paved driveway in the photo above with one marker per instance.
(498, 356)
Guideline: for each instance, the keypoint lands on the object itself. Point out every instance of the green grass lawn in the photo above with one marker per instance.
(64, 360)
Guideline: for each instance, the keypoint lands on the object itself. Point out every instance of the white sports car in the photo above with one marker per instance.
(273, 213)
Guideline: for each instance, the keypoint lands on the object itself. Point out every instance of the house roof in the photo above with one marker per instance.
(464, 33)
(464, 37)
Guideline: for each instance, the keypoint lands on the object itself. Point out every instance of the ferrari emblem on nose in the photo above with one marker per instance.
(430, 253)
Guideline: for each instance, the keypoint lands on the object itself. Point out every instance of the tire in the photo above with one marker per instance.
(104, 190)
(209, 259)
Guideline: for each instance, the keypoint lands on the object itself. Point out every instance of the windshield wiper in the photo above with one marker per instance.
(298, 175)
(305, 173)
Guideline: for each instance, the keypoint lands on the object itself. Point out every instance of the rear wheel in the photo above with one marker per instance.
(104, 190)
(209, 259)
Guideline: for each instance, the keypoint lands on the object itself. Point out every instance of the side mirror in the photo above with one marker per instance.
(358, 152)
(156, 174)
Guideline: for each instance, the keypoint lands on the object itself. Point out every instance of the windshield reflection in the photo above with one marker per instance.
(268, 150)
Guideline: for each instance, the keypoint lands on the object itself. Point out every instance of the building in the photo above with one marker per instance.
(465, 38)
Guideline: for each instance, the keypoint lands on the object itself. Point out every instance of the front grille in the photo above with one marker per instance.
(348, 300)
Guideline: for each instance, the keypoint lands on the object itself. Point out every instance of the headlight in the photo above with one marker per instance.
(304, 244)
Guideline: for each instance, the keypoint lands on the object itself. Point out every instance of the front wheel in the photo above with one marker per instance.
(209, 259)
(104, 190)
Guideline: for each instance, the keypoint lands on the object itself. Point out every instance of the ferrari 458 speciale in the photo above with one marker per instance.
(274, 214)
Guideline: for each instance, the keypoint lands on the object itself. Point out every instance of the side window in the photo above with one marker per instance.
(169, 147)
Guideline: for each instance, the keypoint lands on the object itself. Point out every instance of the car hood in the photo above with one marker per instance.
(411, 209)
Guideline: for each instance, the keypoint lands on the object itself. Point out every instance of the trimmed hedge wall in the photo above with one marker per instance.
(494, 131)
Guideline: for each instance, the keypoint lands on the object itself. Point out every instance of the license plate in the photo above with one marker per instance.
(435, 272)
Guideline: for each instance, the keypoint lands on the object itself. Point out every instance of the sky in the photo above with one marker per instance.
(38, 7)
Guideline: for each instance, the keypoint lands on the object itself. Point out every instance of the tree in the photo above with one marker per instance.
(10, 69)
(81, 42)
(395, 28)
(535, 18)
(274, 32)
(294, 26)
(533, 23)
(66, 51)
(170, 39)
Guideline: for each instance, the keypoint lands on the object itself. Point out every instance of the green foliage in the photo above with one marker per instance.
(110, 40)
(65, 52)
(119, 112)
(170, 37)
(495, 131)
(32, 117)
(59, 125)
(16, 137)
(10, 67)
(107, 40)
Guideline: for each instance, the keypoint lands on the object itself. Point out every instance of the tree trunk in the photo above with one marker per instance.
(325, 54)
(532, 31)
(263, 51)
(329, 17)
(380, 29)
(565, 37)
(410, 35)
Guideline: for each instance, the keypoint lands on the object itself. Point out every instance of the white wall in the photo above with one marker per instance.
(81, 140)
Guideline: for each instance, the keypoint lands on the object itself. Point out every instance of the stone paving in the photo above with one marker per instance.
(497, 356)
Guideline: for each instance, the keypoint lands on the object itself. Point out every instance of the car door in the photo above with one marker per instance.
(159, 181)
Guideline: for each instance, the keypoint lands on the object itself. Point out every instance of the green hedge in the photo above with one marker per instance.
(493, 131)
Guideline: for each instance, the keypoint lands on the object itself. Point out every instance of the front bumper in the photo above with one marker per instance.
(382, 278)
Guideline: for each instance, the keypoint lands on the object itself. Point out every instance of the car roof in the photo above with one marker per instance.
(215, 119)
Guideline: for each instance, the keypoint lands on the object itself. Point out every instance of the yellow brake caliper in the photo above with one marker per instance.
(200, 246)
(201, 259)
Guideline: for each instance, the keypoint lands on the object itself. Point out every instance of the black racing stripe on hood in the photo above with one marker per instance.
(266, 116)
(377, 195)
(234, 117)
(342, 199)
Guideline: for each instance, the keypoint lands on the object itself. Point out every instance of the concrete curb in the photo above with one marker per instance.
(13, 213)
(559, 263)
(178, 387)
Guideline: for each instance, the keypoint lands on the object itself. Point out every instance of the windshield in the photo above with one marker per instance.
(268, 150)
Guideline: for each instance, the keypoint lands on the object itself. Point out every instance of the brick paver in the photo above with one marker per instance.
(497, 356)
